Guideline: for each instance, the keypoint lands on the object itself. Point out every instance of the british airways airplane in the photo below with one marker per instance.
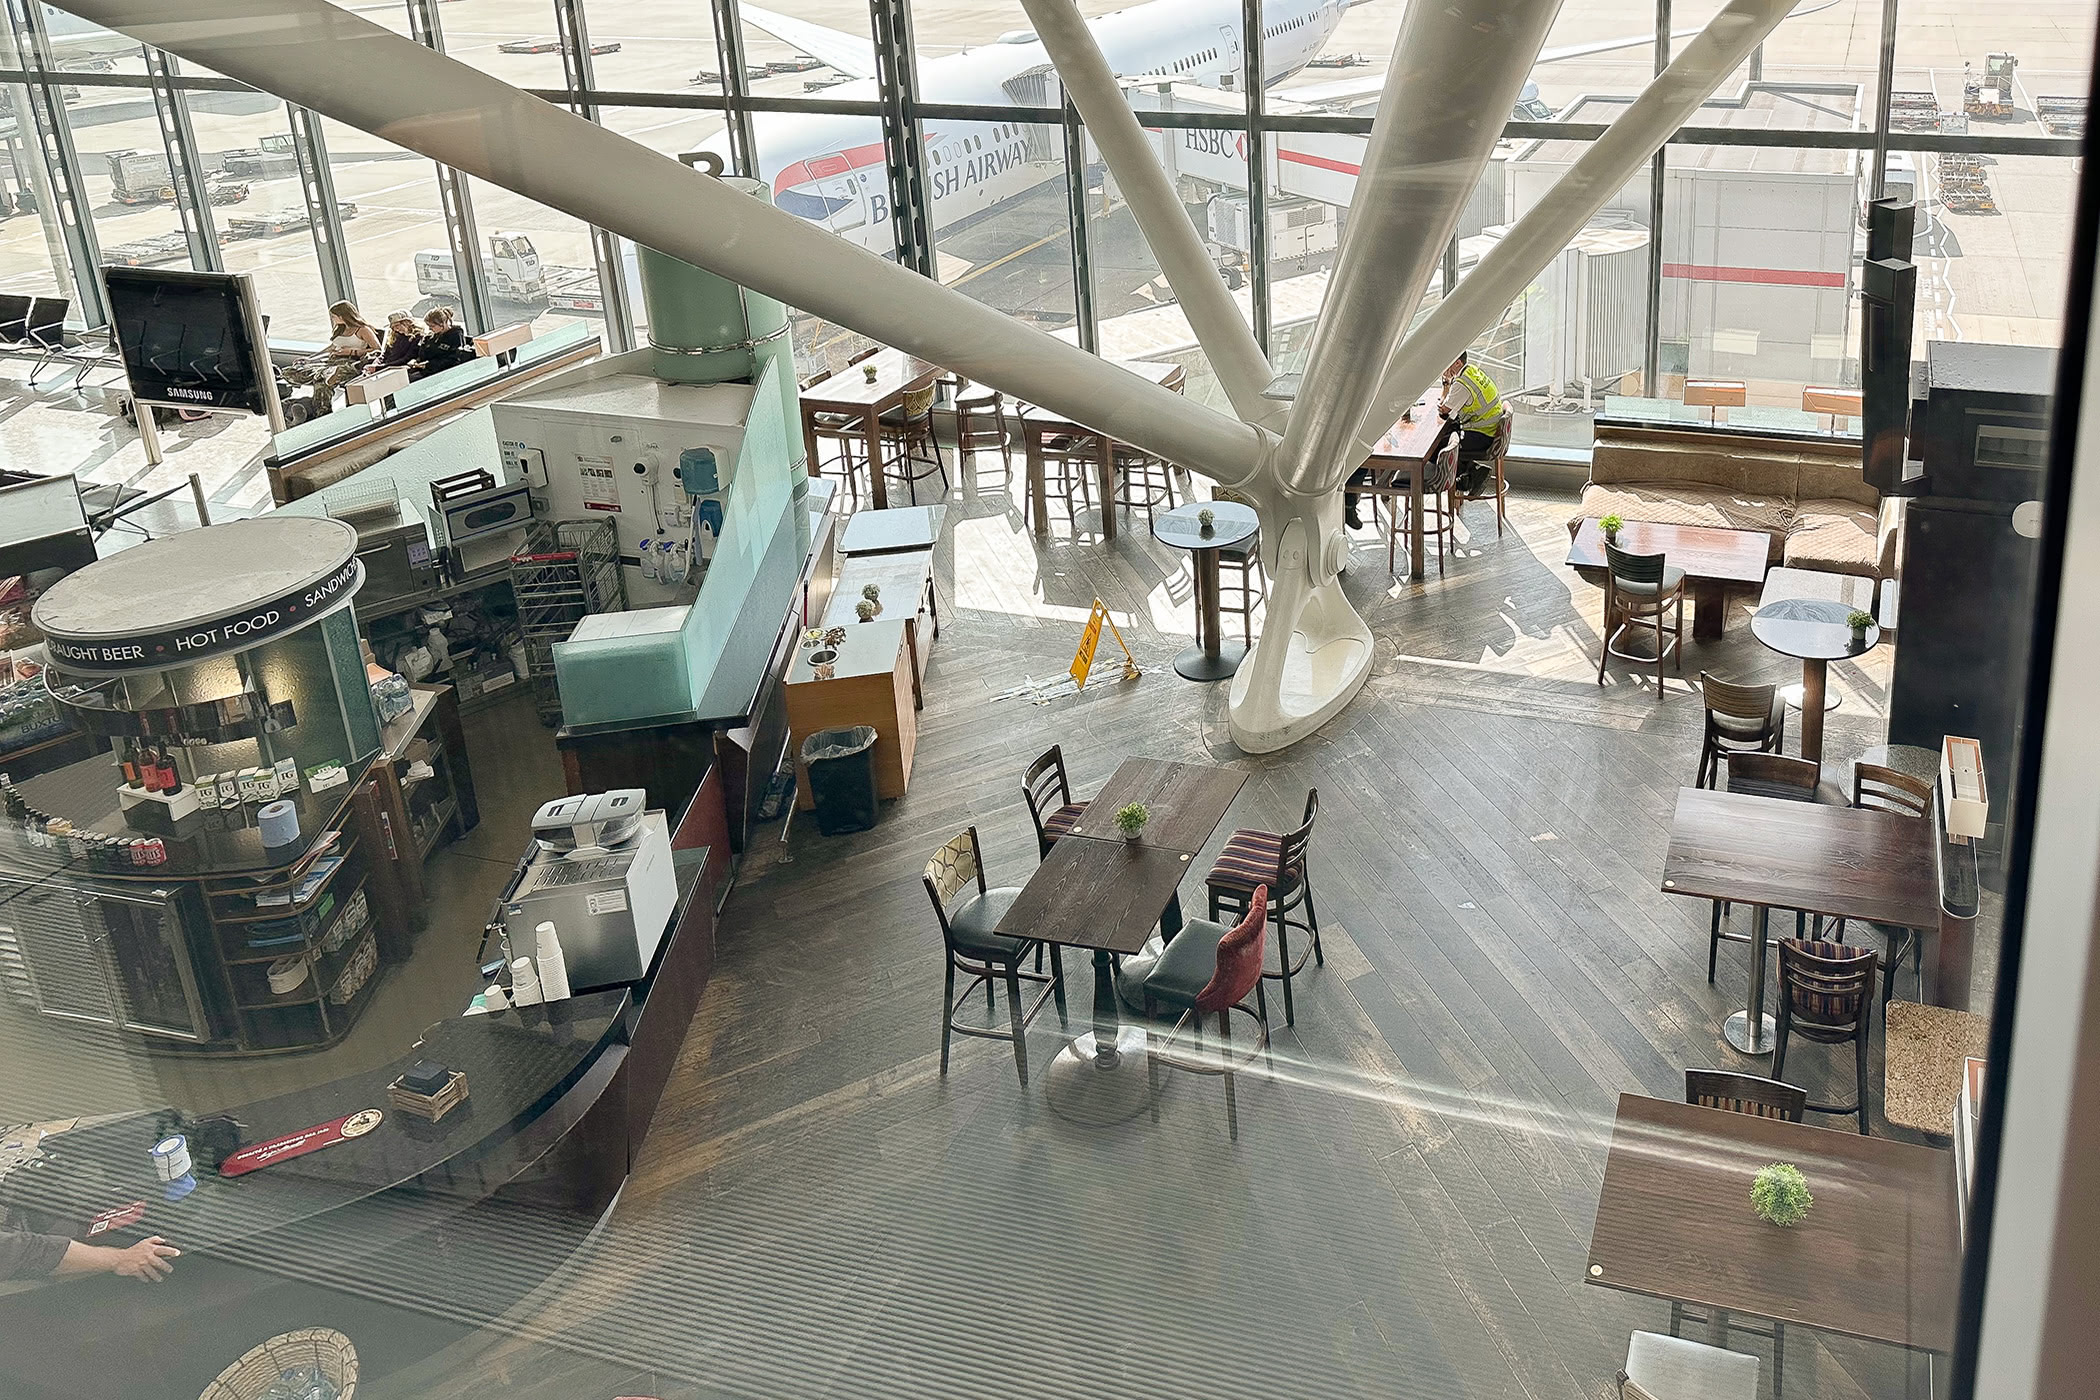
(829, 169)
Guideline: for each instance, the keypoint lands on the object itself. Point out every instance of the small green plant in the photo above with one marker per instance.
(1131, 818)
(872, 592)
(1610, 525)
(1860, 621)
(1779, 1193)
(1206, 518)
(865, 610)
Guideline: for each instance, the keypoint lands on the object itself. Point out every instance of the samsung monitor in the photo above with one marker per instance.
(190, 339)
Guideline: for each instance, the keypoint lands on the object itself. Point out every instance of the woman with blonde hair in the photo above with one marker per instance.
(351, 340)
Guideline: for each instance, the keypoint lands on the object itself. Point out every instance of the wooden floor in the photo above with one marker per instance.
(1408, 1209)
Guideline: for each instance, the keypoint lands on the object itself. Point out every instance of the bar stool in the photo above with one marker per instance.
(1439, 511)
(1504, 427)
(908, 443)
(977, 952)
(1243, 585)
(980, 423)
(1252, 859)
(1640, 593)
(1209, 969)
(1826, 994)
(1143, 481)
(1070, 463)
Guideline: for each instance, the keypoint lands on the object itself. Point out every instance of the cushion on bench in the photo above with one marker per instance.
(1836, 537)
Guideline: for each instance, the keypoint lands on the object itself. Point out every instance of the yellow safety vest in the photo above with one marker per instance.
(1483, 401)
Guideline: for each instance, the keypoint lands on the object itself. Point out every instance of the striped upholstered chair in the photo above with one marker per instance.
(1049, 795)
(1252, 859)
(1826, 994)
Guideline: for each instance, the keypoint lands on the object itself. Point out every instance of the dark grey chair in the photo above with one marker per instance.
(1642, 593)
(976, 951)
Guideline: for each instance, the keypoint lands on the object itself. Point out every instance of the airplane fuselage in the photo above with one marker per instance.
(830, 169)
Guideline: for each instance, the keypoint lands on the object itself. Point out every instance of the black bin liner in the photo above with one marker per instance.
(842, 778)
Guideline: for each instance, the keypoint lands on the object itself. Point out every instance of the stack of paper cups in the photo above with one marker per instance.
(524, 983)
(554, 968)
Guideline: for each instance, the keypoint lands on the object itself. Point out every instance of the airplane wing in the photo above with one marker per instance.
(847, 53)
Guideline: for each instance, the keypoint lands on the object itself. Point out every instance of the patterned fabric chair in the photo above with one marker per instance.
(978, 952)
(1671, 1368)
(1208, 970)
(1252, 859)
(1826, 994)
(1049, 796)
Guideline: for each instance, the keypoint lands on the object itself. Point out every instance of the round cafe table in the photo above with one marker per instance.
(1816, 631)
(1212, 658)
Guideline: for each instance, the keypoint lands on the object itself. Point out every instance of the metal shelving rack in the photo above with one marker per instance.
(567, 570)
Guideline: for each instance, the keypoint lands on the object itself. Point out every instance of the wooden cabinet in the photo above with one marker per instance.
(873, 683)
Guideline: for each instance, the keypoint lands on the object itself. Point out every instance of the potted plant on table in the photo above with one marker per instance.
(1859, 620)
(1779, 1194)
(868, 373)
(1205, 518)
(1611, 525)
(866, 609)
(1131, 818)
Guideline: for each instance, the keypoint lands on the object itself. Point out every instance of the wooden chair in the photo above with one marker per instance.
(975, 950)
(980, 423)
(1504, 428)
(910, 452)
(1439, 509)
(1252, 859)
(1761, 775)
(1143, 481)
(1070, 464)
(1048, 793)
(1826, 994)
(1208, 970)
(1890, 790)
(1671, 1368)
(1739, 719)
(1744, 1093)
(1642, 592)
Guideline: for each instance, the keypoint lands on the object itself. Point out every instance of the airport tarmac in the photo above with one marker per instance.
(1985, 275)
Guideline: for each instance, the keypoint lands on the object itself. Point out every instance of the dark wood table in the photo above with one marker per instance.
(1404, 451)
(1106, 894)
(1816, 631)
(1878, 1258)
(1038, 424)
(851, 391)
(1212, 658)
(1712, 559)
(1845, 862)
(1187, 801)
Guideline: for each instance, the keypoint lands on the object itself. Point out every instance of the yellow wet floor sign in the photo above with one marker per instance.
(1083, 659)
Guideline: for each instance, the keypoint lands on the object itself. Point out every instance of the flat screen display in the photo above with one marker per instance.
(185, 337)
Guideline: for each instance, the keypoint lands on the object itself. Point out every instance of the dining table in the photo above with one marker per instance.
(1203, 528)
(1103, 892)
(1404, 452)
(1842, 862)
(855, 393)
(1878, 1256)
(1816, 632)
(1038, 425)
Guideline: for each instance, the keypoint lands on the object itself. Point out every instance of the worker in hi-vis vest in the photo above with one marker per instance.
(1471, 407)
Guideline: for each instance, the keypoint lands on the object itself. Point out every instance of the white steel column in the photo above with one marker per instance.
(1457, 69)
(1598, 174)
(325, 58)
(1242, 370)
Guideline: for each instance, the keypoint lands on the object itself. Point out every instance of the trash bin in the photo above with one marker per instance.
(842, 778)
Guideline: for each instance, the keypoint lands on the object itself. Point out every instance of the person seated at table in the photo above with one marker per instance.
(447, 344)
(404, 343)
(351, 341)
(1471, 406)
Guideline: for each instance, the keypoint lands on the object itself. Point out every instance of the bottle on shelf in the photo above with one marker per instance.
(149, 769)
(170, 780)
(128, 763)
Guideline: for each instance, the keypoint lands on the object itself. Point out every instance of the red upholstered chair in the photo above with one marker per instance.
(1826, 994)
(1276, 859)
(1208, 970)
(1049, 795)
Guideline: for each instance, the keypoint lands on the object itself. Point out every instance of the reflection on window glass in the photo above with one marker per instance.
(539, 260)
(32, 253)
(393, 223)
(641, 46)
(1001, 220)
(124, 167)
(244, 141)
(1992, 245)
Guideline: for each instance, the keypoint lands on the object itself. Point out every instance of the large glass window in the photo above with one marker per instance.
(542, 267)
(509, 39)
(125, 181)
(2018, 71)
(800, 47)
(33, 258)
(640, 46)
(394, 227)
(244, 141)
